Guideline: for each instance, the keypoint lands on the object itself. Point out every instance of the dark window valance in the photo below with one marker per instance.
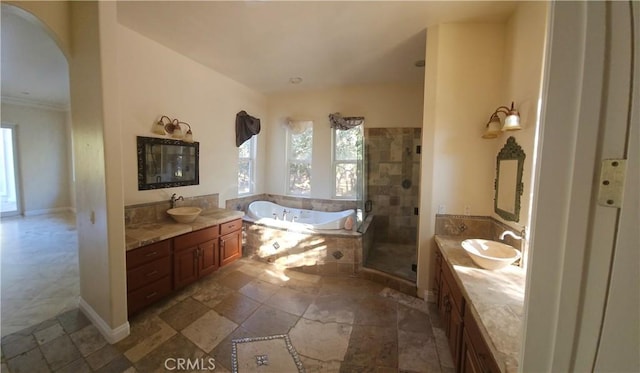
(246, 126)
(344, 123)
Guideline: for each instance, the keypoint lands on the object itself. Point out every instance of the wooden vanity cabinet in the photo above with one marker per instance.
(451, 309)
(476, 356)
(149, 270)
(155, 270)
(469, 350)
(230, 241)
(195, 255)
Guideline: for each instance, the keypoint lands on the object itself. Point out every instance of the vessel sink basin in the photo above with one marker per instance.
(184, 214)
(490, 254)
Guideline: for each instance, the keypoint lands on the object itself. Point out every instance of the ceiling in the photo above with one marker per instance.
(261, 44)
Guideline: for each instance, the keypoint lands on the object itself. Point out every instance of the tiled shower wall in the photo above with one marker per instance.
(393, 182)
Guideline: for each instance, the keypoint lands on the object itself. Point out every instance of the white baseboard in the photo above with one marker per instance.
(48, 211)
(111, 335)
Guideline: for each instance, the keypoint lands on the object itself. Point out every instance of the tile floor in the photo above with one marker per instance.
(39, 256)
(335, 324)
(392, 258)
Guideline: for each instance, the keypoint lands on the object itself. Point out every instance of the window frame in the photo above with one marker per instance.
(335, 162)
(290, 160)
(253, 144)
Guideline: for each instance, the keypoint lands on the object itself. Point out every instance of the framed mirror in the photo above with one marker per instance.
(166, 163)
(508, 183)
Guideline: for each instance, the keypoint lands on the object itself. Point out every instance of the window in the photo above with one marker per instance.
(347, 153)
(246, 166)
(299, 146)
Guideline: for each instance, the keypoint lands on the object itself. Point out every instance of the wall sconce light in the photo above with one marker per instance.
(170, 126)
(495, 126)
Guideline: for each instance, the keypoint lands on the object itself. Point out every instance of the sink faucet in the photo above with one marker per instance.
(510, 233)
(284, 214)
(174, 200)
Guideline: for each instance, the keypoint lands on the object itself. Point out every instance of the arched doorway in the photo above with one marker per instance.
(39, 254)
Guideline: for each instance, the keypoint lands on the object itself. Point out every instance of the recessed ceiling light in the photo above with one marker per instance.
(419, 63)
(296, 80)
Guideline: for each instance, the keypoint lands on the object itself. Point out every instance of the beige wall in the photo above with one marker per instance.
(55, 17)
(44, 151)
(381, 105)
(524, 51)
(153, 81)
(97, 165)
(463, 85)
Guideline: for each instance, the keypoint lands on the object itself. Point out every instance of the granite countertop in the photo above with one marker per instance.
(141, 235)
(495, 299)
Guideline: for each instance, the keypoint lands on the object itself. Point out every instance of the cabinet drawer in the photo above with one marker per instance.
(455, 293)
(148, 253)
(138, 299)
(192, 239)
(148, 273)
(231, 226)
(484, 357)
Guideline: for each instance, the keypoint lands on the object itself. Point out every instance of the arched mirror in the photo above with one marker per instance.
(508, 183)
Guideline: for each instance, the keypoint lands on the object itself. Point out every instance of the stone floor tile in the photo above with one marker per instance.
(412, 320)
(332, 308)
(237, 307)
(148, 342)
(117, 365)
(209, 330)
(373, 346)
(29, 362)
(77, 366)
(222, 352)
(291, 301)
(212, 294)
(49, 334)
(73, 320)
(88, 340)
(102, 357)
(374, 310)
(307, 287)
(267, 321)
(259, 290)
(140, 328)
(321, 341)
(319, 366)
(176, 347)
(406, 300)
(235, 280)
(16, 344)
(442, 347)
(417, 352)
(184, 313)
(60, 352)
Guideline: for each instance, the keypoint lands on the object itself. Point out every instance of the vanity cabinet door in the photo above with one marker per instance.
(481, 356)
(230, 247)
(438, 280)
(208, 261)
(185, 267)
(469, 362)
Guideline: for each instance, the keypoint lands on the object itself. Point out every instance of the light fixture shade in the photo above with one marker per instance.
(177, 132)
(158, 128)
(188, 137)
(512, 122)
(493, 128)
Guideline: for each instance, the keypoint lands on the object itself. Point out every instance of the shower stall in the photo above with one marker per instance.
(391, 170)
